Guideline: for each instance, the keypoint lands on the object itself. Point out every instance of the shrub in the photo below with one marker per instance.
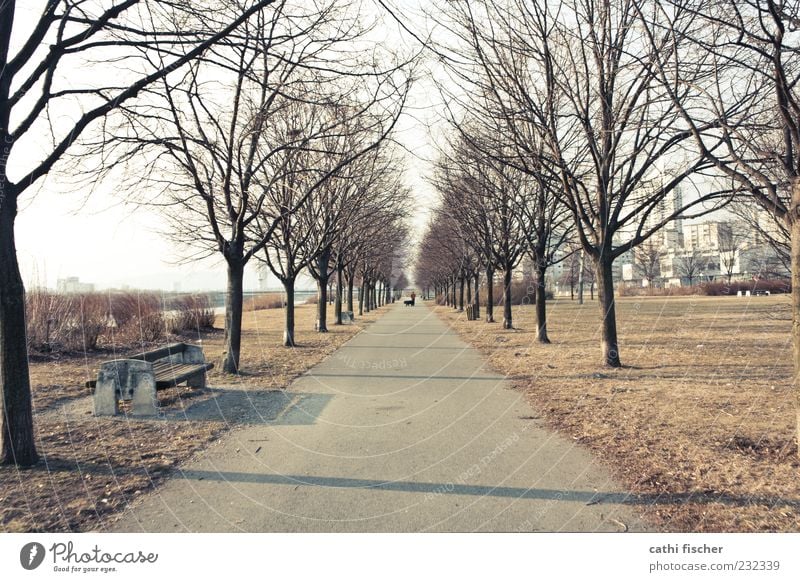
(191, 313)
(714, 288)
(57, 322)
(724, 288)
(141, 317)
(624, 291)
(265, 301)
(84, 321)
(90, 318)
(47, 315)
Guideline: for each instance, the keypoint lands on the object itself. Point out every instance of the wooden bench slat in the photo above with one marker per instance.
(171, 374)
(167, 368)
(160, 353)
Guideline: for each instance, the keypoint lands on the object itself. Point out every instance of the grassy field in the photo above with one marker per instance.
(92, 467)
(700, 420)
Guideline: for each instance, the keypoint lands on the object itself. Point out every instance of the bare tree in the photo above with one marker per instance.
(691, 264)
(443, 249)
(377, 260)
(288, 200)
(769, 230)
(647, 261)
(745, 117)
(485, 200)
(352, 200)
(210, 133)
(38, 77)
(576, 76)
(571, 268)
(732, 239)
(549, 229)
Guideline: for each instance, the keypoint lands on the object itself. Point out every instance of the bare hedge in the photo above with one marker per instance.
(59, 322)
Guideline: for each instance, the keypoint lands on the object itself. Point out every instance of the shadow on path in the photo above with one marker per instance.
(587, 497)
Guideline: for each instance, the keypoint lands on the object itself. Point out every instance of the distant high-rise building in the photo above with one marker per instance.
(73, 285)
(703, 236)
(671, 234)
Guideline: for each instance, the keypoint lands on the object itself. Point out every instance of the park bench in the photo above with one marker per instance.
(138, 377)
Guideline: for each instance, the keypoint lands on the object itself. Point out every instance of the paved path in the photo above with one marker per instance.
(403, 429)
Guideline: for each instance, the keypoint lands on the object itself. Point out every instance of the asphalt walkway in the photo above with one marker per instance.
(403, 429)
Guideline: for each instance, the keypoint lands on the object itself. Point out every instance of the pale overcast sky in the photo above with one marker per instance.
(61, 233)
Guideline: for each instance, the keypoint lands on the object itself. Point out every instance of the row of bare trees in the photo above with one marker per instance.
(617, 103)
(266, 147)
(491, 215)
(347, 230)
(260, 127)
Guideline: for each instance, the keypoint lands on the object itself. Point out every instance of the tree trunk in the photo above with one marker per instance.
(541, 301)
(454, 301)
(322, 305)
(468, 283)
(233, 315)
(580, 278)
(323, 262)
(339, 290)
(361, 298)
(477, 305)
(605, 289)
(507, 321)
(461, 294)
(288, 328)
(794, 225)
(16, 412)
(489, 295)
(350, 302)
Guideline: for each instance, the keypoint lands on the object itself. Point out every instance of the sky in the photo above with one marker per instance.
(66, 233)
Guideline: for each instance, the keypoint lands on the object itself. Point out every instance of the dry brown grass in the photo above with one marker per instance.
(92, 467)
(699, 422)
